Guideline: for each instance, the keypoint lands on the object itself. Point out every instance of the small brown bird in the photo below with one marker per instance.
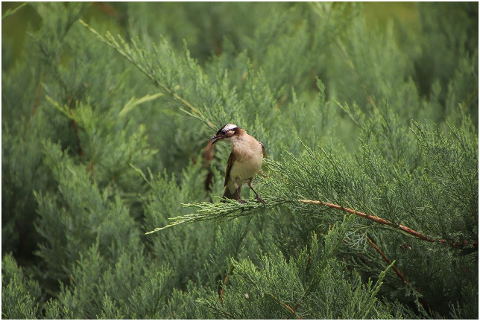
(244, 162)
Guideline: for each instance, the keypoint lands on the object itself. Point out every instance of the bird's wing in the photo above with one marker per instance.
(231, 159)
(263, 150)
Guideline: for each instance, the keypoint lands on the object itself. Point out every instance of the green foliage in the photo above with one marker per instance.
(306, 287)
(20, 295)
(110, 192)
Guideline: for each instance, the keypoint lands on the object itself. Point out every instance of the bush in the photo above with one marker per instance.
(111, 197)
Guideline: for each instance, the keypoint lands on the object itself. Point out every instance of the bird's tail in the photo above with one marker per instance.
(232, 195)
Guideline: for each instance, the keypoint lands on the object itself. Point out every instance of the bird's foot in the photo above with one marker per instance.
(241, 201)
(259, 199)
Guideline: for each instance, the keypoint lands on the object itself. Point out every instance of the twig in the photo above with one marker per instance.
(297, 305)
(37, 96)
(35, 104)
(283, 304)
(207, 157)
(108, 10)
(397, 271)
(349, 62)
(230, 269)
(400, 275)
(9, 12)
(74, 124)
(127, 55)
(383, 221)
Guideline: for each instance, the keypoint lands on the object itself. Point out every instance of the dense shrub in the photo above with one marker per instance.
(371, 183)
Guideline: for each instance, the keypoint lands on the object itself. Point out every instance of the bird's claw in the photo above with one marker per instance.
(260, 200)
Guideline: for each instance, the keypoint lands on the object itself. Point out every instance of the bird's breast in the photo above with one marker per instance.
(246, 167)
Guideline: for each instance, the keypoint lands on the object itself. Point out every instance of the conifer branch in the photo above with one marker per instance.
(284, 305)
(227, 210)
(126, 52)
(9, 12)
(350, 63)
(383, 221)
(216, 307)
(397, 271)
(349, 113)
(231, 209)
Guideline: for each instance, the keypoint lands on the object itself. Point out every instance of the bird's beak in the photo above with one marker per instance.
(216, 138)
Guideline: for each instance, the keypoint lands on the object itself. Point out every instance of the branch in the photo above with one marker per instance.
(227, 210)
(230, 269)
(35, 104)
(127, 54)
(9, 12)
(400, 275)
(284, 305)
(37, 96)
(383, 221)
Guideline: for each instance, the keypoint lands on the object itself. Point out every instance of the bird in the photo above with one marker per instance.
(244, 162)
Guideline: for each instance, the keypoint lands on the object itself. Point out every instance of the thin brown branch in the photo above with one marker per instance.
(400, 275)
(207, 158)
(35, 104)
(297, 305)
(397, 271)
(383, 221)
(37, 96)
(283, 304)
(108, 10)
(230, 269)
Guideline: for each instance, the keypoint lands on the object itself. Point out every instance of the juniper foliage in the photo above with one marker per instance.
(111, 194)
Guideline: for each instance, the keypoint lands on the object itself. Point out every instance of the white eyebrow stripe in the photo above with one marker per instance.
(228, 127)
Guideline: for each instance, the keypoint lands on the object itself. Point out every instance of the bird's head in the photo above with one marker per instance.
(226, 132)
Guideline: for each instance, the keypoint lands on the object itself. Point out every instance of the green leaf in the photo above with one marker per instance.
(133, 102)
